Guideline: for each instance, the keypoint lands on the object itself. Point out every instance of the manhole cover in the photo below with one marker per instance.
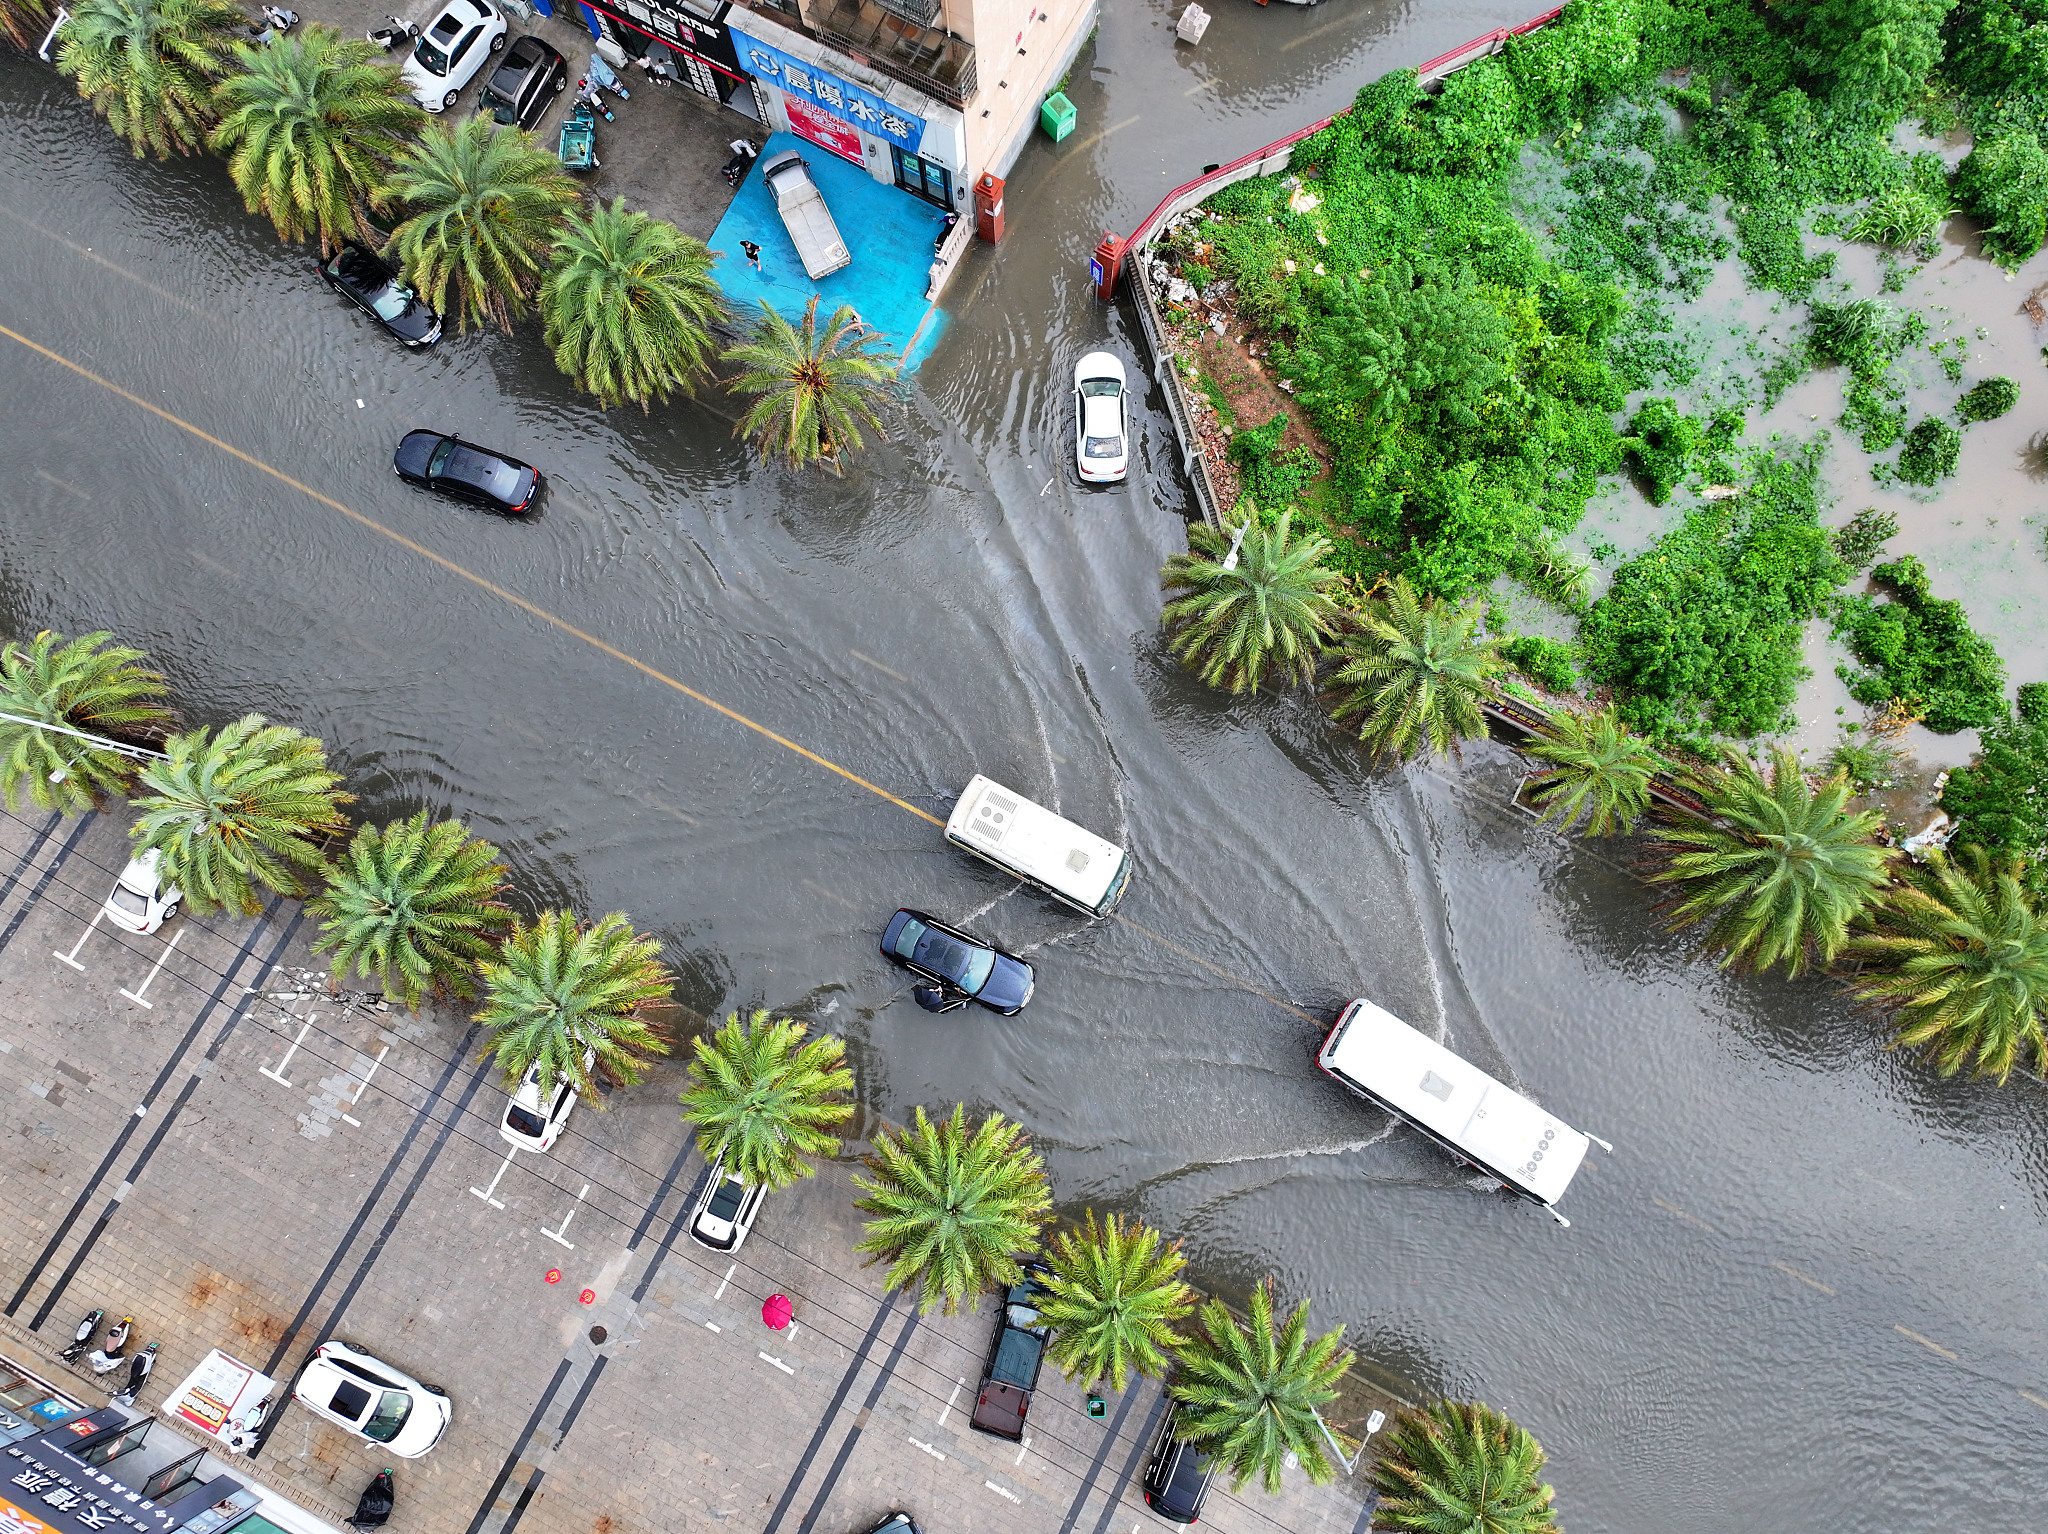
(598, 1334)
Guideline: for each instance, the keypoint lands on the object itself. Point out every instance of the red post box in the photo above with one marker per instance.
(988, 208)
(1106, 265)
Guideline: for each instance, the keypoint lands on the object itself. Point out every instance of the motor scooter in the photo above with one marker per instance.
(106, 1358)
(735, 169)
(81, 1339)
(138, 1373)
(399, 33)
(586, 92)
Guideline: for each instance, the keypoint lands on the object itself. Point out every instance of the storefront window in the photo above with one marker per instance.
(923, 178)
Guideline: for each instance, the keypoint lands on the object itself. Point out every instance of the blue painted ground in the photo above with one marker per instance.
(889, 232)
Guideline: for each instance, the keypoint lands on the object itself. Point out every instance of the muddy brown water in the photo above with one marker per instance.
(1728, 1336)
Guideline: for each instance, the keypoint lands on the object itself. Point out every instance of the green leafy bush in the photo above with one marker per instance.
(1998, 58)
(2001, 798)
(1702, 630)
(1920, 648)
(1868, 765)
(1272, 481)
(1930, 453)
(1546, 662)
(1879, 53)
(1988, 400)
(2004, 181)
(1661, 443)
(1858, 540)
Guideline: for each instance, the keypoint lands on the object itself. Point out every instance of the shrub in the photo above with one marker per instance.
(2004, 181)
(2001, 798)
(1660, 445)
(1858, 541)
(1930, 452)
(1546, 662)
(1988, 400)
(1272, 481)
(1920, 648)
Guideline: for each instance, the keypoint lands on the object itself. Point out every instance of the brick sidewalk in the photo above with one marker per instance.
(216, 1165)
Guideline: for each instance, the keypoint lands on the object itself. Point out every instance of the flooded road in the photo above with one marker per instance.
(1802, 1294)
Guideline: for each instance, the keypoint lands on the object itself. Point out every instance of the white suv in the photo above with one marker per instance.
(725, 1211)
(450, 51)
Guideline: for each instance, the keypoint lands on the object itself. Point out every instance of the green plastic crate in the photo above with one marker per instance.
(1057, 116)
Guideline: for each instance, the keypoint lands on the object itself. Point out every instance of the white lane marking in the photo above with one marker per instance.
(136, 994)
(935, 1454)
(885, 670)
(713, 1326)
(71, 958)
(558, 1233)
(725, 1280)
(1023, 1449)
(1811, 1283)
(2035, 1399)
(485, 1193)
(768, 1358)
(958, 1386)
(278, 1074)
(1003, 1491)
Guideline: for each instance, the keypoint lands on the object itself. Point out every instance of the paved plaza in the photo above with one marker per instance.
(253, 1171)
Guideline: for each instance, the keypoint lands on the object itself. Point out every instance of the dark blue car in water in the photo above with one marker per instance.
(957, 968)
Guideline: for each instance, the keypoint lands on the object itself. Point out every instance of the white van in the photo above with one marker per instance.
(1030, 842)
(1455, 1103)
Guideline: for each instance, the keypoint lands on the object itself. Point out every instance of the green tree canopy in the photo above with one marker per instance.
(1404, 347)
(1999, 798)
(148, 66)
(1596, 770)
(1457, 1467)
(1114, 1298)
(238, 808)
(88, 684)
(310, 126)
(1249, 1395)
(414, 905)
(952, 1207)
(812, 389)
(559, 990)
(764, 1101)
(1271, 612)
(1417, 671)
(1880, 53)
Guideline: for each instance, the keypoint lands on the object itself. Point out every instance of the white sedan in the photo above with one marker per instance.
(533, 1125)
(1101, 421)
(725, 1211)
(377, 1403)
(451, 49)
(140, 901)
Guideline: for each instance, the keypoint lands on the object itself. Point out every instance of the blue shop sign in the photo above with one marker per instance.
(820, 87)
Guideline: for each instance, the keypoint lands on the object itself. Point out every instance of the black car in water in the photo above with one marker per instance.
(519, 91)
(365, 281)
(1177, 1480)
(958, 968)
(1014, 1359)
(466, 472)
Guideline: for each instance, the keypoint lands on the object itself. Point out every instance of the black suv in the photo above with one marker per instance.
(1177, 1481)
(520, 89)
(1014, 1360)
(357, 275)
(466, 472)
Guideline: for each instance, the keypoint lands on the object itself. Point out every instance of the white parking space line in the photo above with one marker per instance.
(1004, 1491)
(559, 1233)
(278, 1074)
(958, 1386)
(71, 958)
(934, 1453)
(136, 994)
(725, 1280)
(485, 1193)
(785, 1368)
(1022, 1449)
(365, 1082)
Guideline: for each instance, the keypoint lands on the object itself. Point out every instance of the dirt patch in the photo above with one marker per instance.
(204, 1289)
(261, 1327)
(603, 1524)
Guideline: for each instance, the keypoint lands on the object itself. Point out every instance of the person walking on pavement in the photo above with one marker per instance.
(753, 253)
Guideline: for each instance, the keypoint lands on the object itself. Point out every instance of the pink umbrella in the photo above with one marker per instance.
(776, 1311)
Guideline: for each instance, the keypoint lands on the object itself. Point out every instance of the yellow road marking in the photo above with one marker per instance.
(1195, 958)
(1811, 1283)
(1309, 37)
(2035, 1399)
(1689, 1219)
(1090, 143)
(1937, 1347)
(885, 670)
(471, 576)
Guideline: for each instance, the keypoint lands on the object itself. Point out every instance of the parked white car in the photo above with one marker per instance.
(450, 51)
(1101, 420)
(140, 901)
(377, 1403)
(725, 1211)
(533, 1125)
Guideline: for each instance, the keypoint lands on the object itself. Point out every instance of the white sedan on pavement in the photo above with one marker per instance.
(450, 51)
(725, 1211)
(140, 901)
(1101, 420)
(377, 1403)
(529, 1123)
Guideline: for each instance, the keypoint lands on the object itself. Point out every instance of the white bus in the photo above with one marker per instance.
(1030, 842)
(1455, 1103)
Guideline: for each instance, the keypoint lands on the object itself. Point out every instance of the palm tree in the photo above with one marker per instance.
(148, 66)
(1417, 671)
(238, 808)
(1272, 610)
(1776, 870)
(629, 306)
(310, 127)
(1250, 1396)
(1457, 1467)
(559, 990)
(951, 1207)
(763, 1100)
(486, 205)
(22, 21)
(1113, 1301)
(811, 391)
(1597, 770)
(1962, 951)
(415, 904)
(85, 685)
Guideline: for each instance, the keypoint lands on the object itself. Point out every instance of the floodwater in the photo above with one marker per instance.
(1802, 1294)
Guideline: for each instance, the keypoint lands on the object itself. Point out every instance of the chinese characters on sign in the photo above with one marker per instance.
(841, 98)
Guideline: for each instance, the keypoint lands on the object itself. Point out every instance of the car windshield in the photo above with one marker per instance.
(125, 899)
(1104, 447)
(526, 1121)
(442, 452)
(431, 58)
(392, 301)
(966, 967)
(391, 1414)
(725, 1203)
(499, 100)
(1093, 388)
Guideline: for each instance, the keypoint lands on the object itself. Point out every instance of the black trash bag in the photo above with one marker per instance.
(375, 1505)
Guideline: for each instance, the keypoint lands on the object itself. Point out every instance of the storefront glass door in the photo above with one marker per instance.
(924, 178)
